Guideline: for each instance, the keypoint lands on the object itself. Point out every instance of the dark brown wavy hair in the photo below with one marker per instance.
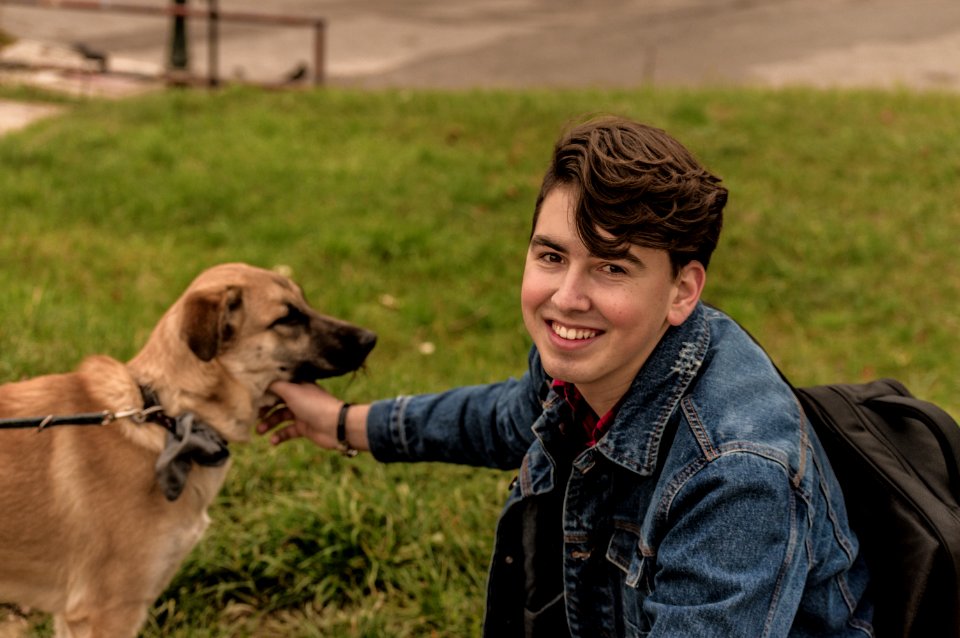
(640, 186)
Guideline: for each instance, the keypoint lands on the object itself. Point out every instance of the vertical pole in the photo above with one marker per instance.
(213, 43)
(179, 56)
(318, 52)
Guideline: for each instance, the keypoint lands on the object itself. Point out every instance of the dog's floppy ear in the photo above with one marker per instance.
(209, 320)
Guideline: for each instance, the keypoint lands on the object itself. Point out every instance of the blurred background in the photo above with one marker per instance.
(521, 43)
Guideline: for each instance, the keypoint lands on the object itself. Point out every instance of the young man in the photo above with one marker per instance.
(668, 483)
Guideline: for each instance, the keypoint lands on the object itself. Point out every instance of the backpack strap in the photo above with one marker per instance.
(937, 420)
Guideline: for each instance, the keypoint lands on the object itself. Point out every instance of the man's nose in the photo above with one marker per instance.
(572, 293)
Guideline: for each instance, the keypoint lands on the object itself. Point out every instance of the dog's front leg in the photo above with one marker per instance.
(120, 621)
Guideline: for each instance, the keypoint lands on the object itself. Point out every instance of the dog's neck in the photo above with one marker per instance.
(181, 383)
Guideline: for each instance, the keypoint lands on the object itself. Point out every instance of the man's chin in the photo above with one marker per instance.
(558, 369)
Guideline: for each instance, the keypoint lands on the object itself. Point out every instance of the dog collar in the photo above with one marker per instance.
(189, 441)
(153, 410)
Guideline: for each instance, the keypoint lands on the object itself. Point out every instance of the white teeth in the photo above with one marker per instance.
(572, 333)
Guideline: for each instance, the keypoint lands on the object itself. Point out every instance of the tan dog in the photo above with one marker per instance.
(86, 530)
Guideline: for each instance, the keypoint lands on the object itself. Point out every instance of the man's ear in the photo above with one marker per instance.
(210, 320)
(687, 289)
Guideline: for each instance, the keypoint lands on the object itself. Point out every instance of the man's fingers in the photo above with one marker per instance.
(284, 434)
(274, 416)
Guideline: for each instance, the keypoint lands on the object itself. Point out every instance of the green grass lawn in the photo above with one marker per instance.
(408, 212)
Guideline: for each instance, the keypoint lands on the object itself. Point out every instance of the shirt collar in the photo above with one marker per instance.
(593, 426)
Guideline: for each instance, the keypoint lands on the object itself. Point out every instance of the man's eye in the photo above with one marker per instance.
(551, 258)
(614, 269)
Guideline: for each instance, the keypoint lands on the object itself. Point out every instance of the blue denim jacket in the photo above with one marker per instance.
(736, 528)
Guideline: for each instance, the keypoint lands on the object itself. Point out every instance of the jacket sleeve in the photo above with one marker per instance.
(731, 561)
(482, 425)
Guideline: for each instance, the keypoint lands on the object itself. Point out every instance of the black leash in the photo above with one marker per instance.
(42, 422)
(151, 411)
(188, 441)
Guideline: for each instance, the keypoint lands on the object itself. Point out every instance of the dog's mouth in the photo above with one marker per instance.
(310, 372)
(338, 361)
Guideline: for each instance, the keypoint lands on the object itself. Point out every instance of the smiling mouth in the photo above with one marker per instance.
(572, 334)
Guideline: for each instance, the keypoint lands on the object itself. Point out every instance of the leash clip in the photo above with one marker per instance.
(137, 415)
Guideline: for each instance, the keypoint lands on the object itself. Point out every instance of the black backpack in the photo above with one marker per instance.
(896, 459)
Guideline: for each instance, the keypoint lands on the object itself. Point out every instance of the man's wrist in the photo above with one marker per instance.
(343, 443)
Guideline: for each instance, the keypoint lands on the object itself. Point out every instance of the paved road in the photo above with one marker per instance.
(553, 43)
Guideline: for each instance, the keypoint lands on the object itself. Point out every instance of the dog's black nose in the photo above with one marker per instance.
(366, 340)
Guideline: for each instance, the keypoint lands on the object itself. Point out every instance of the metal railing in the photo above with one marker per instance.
(213, 16)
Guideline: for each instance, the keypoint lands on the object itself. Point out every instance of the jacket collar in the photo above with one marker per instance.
(634, 438)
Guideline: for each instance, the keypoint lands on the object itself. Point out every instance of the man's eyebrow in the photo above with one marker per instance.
(542, 241)
(630, 257)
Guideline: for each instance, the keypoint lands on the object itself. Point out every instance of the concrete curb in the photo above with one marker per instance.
(58, 68)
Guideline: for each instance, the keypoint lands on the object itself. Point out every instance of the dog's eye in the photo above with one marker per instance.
(294, 317)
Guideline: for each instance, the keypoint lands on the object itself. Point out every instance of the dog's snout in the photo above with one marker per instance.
(366, 340)
(339, 348)
(354, 344)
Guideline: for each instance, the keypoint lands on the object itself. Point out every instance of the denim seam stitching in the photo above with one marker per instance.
(399, 429)
(788, 559)
(698, 428)
(842, 539)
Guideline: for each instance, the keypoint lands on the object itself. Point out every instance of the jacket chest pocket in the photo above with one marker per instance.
(636, 581)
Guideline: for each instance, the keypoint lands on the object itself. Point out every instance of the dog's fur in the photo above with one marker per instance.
(85, 532)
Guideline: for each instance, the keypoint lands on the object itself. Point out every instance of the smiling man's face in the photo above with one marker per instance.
(594, 320)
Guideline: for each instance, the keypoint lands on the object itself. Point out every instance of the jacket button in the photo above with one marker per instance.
(585, 463)
(508, 560)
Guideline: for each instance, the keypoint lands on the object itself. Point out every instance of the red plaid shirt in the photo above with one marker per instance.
(594, 427)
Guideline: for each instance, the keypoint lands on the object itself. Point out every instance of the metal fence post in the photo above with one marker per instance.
(179, 55)
(213, 43)
(178, 64)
